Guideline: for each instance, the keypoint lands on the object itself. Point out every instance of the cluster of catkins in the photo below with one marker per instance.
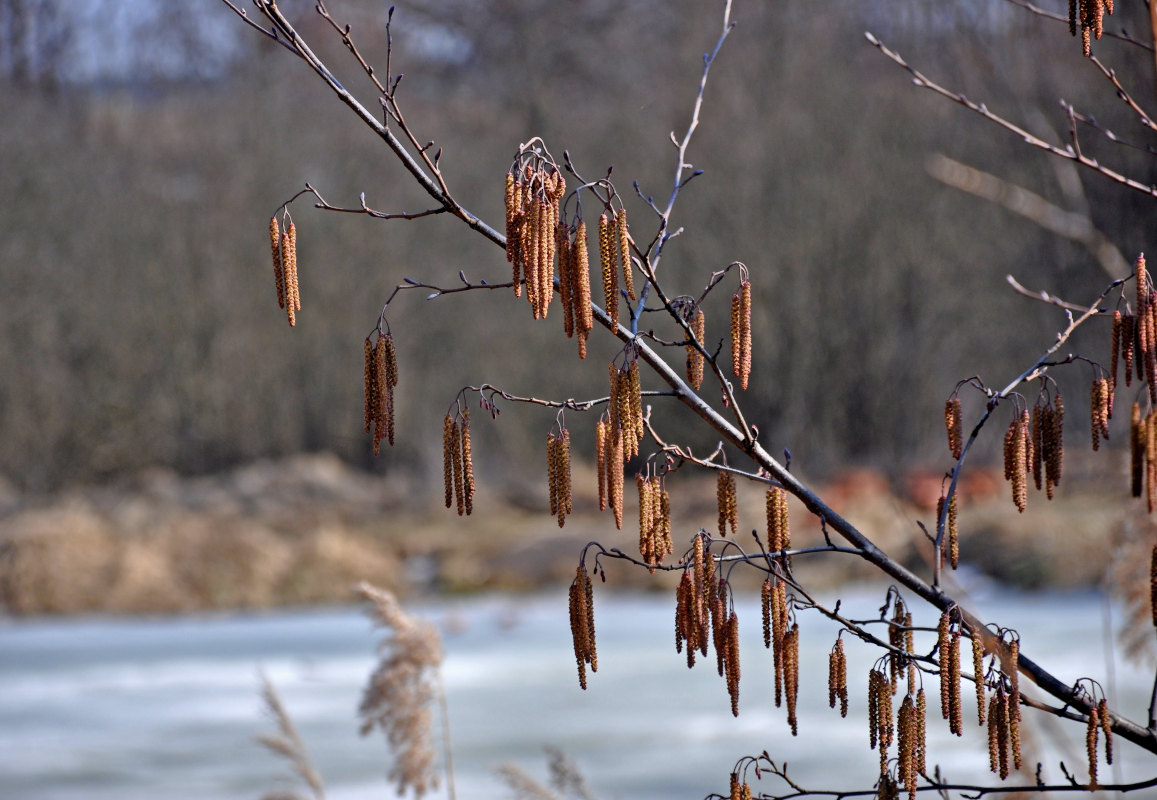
(558, 474)
(1088, 17)
(582, 624)
(532, 218)
(654, 520)
(618, 433)
(457, 464)
(284, 246)
(381, 376)
(784, 644)
(702, 619)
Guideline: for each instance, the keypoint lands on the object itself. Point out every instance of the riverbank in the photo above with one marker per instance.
(301, 531)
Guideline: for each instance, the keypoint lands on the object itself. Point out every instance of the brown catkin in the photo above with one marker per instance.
(942, 648)
(736, 353)
(646, 519)
(383, 394)
(582, 624)
(745, 331)
(736, 790)
(580, 263)
(552, 471)
(1115, 347)
(601, 451)
(1054, 445)
(765, 606)
(565, 277)
(607, 251)
(1106, 728)
(994, 733)
(956, 723)
(615, 478)
(468, 461)
(874, 679)
(289, 258)
(838, 677)
(1019, 453)
(278, 274)
(371, 386)
(1094, 414)
(1091, 733)
(1128, 334)
(448, 458)
(386, 387)
(906, 745)
(954, 423)
(778, 614)
(1002, 733)
(624, 242)
(1014, 700)
(565, 499)
(791, 675)
(978, 671)
(635, 397)
(289, 309)
(456, 457)
(725, 499)
(1037, 446)
(695, 361)
(732, 644)
(509, 203)
(921, 728)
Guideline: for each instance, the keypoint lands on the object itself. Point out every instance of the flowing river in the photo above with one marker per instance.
(170, 708)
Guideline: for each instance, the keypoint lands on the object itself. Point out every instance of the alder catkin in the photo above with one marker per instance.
(552, 472)
(601, 448)
(765, 606)
(953, 422)
(978, 671)
(580, 263)
(467, 461)
(732, 649)
(1127, 336)
(607, 259)
(1106, 728)
(942, 643)
(695, 361)
(1091, 732)
(370, 385)
(289, 258)
(615, 477)
(726, 501)
(582, 624)
(456, 457)
(278, 274)
(1115, 346)
(1014, 700)
(741, 333)
(624, 242)
(791, 675)
(448, 458)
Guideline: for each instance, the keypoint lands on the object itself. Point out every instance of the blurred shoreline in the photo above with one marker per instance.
(303, 530)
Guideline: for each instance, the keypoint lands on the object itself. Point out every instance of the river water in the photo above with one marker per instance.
(169, 708)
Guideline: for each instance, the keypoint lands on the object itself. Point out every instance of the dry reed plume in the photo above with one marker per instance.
(405, 683)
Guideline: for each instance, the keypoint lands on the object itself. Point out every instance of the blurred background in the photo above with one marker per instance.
(170, 444)
(149, 380)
